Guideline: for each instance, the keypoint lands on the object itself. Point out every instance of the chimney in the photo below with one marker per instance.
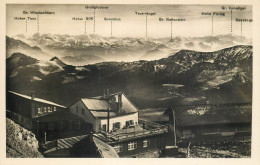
(108, 116)
(106, 93)
(119, 106)
(32, 96)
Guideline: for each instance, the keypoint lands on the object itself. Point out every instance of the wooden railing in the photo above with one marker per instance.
(149, 128)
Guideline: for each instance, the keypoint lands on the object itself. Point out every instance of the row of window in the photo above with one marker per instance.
(131, 145)
(21, 120)
(41, 110)
(62, 125)
(117, 125)
(18, 106)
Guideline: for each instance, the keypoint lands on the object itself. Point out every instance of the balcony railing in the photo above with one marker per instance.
(144, 128)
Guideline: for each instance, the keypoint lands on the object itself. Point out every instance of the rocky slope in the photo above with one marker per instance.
(20, 142)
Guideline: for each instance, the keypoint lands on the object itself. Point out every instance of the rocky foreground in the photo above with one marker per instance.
(20, 143)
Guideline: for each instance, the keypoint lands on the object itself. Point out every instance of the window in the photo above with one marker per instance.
(77, 125)
(104, 127)
(39, 110)
(116, 125)
(132, 145)
(186, 133)
(129, 123)
(16, 117)
(62, 124)
(51, 126)
(118, 148)
(83, 111)
(54, 109)
(22, 119)
(49, 109)
(11, 115)
(70, 124)
(29, 123)
(146, 143)
(19, 105)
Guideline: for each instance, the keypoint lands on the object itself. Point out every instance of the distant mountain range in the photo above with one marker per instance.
(91, 49)
(16, 45)
(185, 77)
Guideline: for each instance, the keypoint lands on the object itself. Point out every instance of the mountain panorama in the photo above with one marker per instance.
(93, 48)
(152, 72)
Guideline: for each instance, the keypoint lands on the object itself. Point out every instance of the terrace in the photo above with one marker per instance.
(143, 129)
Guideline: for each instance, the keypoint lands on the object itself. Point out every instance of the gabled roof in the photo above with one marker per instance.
(98, 106)
(211, 114)
(36, 99)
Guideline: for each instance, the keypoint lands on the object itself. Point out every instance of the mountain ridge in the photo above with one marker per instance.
(90, 49)
(203, 77)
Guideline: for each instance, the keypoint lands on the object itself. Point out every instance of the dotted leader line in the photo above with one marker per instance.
(94, 20)
(231, 21)
(85, 27)
(241, 28)
(111, 28)
(146, 25)
(212, 25)
(171, 29)
(38, 26)
(26, 26)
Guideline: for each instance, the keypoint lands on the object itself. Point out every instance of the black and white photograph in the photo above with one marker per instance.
(128, 80)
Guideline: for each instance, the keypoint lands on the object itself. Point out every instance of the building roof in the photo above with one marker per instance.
(70, 142)
(211, 114)
(58, 116)
(104, 149)
(99, 106)
(83, 145)
(37, 99)
(100, 114)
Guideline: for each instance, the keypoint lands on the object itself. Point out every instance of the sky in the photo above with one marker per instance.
(131, 25)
